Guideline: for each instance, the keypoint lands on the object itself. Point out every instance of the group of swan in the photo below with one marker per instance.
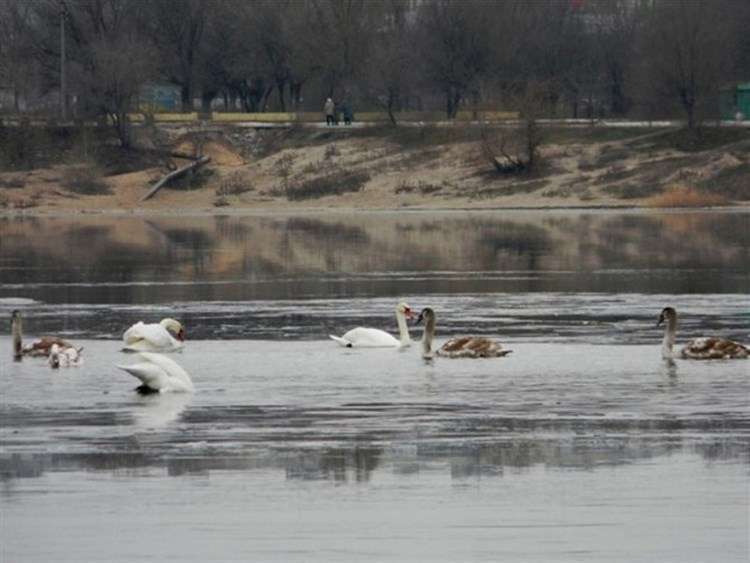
(466, 347)
(480, 347)
(59, 352)
(158, 373)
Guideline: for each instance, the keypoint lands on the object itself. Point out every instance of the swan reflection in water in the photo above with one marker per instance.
(159, 409)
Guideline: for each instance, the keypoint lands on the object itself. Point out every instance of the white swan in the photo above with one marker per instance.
(699, 348)
(159, 374)
(64, 356)
(362, 337)
(463, 347)
(41, 347)
(166, 336)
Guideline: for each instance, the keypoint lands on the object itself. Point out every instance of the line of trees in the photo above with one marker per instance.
(588, 57)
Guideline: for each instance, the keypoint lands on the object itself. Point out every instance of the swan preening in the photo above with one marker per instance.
(166, 336)
(64, 357)
(699, 348)
(63, 352)
(159, 374)
(462, 347)
(362, 337)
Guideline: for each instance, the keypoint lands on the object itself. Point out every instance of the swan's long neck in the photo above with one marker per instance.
(403, 329)
(429, 334)
(17, 339)
(669, 337)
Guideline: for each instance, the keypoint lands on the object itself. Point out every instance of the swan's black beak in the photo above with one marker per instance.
(661, 320)
(419, 318)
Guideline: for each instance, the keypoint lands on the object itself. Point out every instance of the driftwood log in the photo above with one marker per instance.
(176, 174)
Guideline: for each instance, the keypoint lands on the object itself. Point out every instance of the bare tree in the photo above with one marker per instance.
(17, 70)
(392, 61)
(339, 37)
(615, 25)
(115, 63)
(177, 31)
(516, 148)
(454, 50)
(686, 54)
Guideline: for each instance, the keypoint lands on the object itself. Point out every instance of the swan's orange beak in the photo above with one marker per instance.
(181, 335)
(409, 313)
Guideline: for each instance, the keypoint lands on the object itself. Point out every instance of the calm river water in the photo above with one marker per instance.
(582, 445)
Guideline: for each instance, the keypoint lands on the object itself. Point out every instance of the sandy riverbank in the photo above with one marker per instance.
(430, 169)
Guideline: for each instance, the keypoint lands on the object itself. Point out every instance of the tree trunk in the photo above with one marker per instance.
(186, 98)
(264, 99)
(122, 127)
(206, 99)
(453, 98)
(280, 87)
(175, 174)
(295, 92)
(391, 103)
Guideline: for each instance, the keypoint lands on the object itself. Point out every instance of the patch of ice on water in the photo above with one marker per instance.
(18, 301)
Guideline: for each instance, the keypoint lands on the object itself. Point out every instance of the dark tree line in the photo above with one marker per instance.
(586, 57)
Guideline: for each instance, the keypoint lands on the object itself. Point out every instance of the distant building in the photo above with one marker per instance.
(734, 102)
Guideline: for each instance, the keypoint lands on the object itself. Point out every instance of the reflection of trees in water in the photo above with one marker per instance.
(310, 248)
(228, 228)
(337, 464)
(510, 241)
(357, 462)
(323, 231)
(656, 241)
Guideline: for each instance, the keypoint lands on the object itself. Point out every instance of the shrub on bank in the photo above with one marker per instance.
(685, 196)
(84, 180)
(332, 184)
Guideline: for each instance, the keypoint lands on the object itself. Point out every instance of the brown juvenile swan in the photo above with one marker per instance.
(41, 347)
(699, 348)
(462, 347)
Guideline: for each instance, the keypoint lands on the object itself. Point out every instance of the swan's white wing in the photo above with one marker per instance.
(160, 373)
(152, 376)
(179, 380)
(149, 338)
(362, 337)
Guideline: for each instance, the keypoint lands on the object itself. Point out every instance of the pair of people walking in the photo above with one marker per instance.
(331, 111)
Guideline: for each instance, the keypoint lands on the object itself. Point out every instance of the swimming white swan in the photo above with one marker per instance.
(40, 347)
(159, 374)
(64, 357)
(699, 348)
(462, 347)
(362, 337)
(166, 336)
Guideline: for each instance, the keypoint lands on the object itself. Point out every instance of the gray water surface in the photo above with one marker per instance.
(582, 445)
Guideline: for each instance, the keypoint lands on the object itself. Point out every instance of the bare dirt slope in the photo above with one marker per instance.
(380, 169)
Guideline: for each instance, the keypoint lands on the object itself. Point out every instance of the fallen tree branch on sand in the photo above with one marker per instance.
(176, 174)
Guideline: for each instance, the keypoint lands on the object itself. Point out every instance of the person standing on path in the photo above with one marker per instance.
(329, 108)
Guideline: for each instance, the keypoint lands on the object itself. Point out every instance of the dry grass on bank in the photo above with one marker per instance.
(685, 196)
